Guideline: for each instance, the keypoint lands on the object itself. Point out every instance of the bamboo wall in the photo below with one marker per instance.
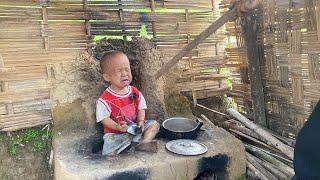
(290, 33)
(37, 34)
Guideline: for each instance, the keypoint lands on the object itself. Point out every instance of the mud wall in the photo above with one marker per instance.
(78, 84)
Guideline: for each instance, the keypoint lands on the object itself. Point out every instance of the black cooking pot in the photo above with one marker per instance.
(181, 128)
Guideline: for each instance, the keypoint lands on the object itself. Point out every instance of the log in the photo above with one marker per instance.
(256, 172)
(273, 169)
(242, 129)
(280, 165)
(287, 150)
(276, 156)
(256, 164)
(287, 141)
(253, 140)
(226, 17)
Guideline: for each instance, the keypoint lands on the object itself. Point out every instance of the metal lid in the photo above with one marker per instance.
(186, 147)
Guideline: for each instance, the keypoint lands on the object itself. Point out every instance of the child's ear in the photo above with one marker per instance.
(105, 77)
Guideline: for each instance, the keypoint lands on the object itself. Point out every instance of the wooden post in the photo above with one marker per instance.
(122, 19)
(255, 55)
(153, 7)
(318, 18)
(227, 16)
(87, 23)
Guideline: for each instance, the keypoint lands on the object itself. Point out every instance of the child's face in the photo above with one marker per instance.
(119, 72)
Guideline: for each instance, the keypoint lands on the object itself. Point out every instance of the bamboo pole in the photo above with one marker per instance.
(272, 168)
(256, 171)
(287, 150)
(280, 165)
(229, 15)
(256, 164)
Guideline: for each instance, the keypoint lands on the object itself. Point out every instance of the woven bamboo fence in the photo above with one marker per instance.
(291, 67)
(37, 34)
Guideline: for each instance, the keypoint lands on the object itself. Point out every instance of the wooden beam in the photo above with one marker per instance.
(255, 55)
(226, 17)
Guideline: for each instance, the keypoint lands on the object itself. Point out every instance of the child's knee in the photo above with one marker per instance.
(155, 127)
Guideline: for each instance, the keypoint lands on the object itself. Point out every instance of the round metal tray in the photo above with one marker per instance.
(186, 147)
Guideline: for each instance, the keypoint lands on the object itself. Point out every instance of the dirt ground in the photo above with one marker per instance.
(25, 155)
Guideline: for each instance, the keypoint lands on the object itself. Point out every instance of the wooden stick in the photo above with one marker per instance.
(287, 150)
(256, 164)
(208, 120)
(256, 171)
(280, 165)
(272, 168)
(276, 156)
(227, 16)
(217, 112)
(257, 142)
(242, 129)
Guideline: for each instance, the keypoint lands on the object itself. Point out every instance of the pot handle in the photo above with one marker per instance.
(199, 125)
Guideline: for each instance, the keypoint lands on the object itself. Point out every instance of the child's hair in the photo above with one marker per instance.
(104, 62)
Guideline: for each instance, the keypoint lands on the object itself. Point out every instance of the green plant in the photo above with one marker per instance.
(13, 147)
(33, 139)
(38, 146)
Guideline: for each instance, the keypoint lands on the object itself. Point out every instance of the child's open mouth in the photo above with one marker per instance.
(125, 81)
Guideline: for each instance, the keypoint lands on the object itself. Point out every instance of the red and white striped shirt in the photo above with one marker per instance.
(119, 107)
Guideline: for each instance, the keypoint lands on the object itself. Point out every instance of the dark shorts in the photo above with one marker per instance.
(115, 143)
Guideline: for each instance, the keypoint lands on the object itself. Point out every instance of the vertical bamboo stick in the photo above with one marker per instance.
(44, 25)
(318, 18)
(1, 62)
(153, 7)
(121, 17)
(87, 22)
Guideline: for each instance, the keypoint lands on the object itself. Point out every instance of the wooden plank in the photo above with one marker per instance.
(37, 105)
(16, 86)
(23, 73)
(23, 120)
(3, 109)
(29, 95)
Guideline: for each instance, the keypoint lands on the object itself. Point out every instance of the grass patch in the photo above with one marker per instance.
(143, 33)
(35, 140)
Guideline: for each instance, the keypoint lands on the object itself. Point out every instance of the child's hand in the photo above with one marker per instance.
(122, 126)
(141, 125)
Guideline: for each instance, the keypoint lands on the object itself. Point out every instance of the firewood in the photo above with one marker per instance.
(261, 169)
(253, 140)
(272, 168)
(243, 129)
(255, 171)
(280, 165)
(287, 150)
(286, 161)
